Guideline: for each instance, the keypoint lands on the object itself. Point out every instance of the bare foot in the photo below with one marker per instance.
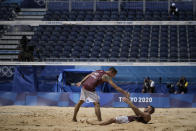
(88, 122)
(74, 120)
(82, 121)
(91, 123)
(99, 119)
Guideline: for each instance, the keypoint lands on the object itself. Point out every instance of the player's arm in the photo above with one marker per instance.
(134, 108)
(108, 79)
(79, 83)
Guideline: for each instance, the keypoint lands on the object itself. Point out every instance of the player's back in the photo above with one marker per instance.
(94, 80)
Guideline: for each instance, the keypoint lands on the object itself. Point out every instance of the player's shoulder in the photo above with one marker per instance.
(106, 77)
(99, 71)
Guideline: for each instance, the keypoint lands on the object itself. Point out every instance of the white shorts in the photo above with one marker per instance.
(88, 96)
(122, 119)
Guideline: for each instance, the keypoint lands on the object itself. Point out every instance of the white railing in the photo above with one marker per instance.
(37, 23)
(104, 63)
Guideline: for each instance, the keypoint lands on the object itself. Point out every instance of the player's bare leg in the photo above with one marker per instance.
(110, 121)
(98, 111)
(77, 107)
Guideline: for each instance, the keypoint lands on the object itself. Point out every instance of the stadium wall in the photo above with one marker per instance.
(106, 100)
(43, 78)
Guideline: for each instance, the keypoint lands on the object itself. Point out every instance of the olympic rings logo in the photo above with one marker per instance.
(6, 71)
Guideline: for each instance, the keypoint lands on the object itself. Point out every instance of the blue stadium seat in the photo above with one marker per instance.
(75, 54)
(143, 55)
(44, 38)
(53, 38)
(193, 56)
(139, 42)
(86, 48)
(94, 54)
(114, 55)
(115, 48)
(85, 54)
(104, 55)
(163, 55)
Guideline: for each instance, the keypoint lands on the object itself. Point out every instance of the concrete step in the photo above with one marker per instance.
(9, 52)
(2, 47)
(27, 20)
(8, 57)
(19, 33)
(13, 37)
(33, 9)
(29, 17)
(9, 42)
(31, 13)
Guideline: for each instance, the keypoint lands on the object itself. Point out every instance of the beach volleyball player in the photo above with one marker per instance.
(143, 117)
(89, 83)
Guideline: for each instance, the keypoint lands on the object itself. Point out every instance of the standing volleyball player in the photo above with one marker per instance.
(89, 83)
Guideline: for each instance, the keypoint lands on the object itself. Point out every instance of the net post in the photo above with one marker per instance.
(70, 4)
(144, 6)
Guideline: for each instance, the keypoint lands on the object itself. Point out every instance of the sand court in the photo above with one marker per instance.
(45, 118)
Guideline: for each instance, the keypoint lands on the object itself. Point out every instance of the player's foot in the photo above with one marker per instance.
(82, 121)
(74, 120)
(92, 123)
(88, 122)
(100, 119)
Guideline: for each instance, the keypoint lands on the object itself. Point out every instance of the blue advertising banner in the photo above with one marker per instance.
(69, 99)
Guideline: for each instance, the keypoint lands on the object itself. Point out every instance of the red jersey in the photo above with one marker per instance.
(93, 80)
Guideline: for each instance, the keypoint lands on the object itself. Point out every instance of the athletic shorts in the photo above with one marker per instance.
(122, 119)
(88, 96)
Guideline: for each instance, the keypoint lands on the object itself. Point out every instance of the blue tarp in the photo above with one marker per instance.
(68, 78)
(25, 79)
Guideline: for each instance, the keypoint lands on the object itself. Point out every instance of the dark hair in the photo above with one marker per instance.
(152, 109)
(145, 80)
(113, 70)
(148, 78)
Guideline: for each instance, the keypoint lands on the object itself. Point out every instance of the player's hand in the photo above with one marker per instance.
(126, 100)
(78, 84)
(127, 95)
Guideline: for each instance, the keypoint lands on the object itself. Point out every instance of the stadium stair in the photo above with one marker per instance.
(31, 14)
(9, 44)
